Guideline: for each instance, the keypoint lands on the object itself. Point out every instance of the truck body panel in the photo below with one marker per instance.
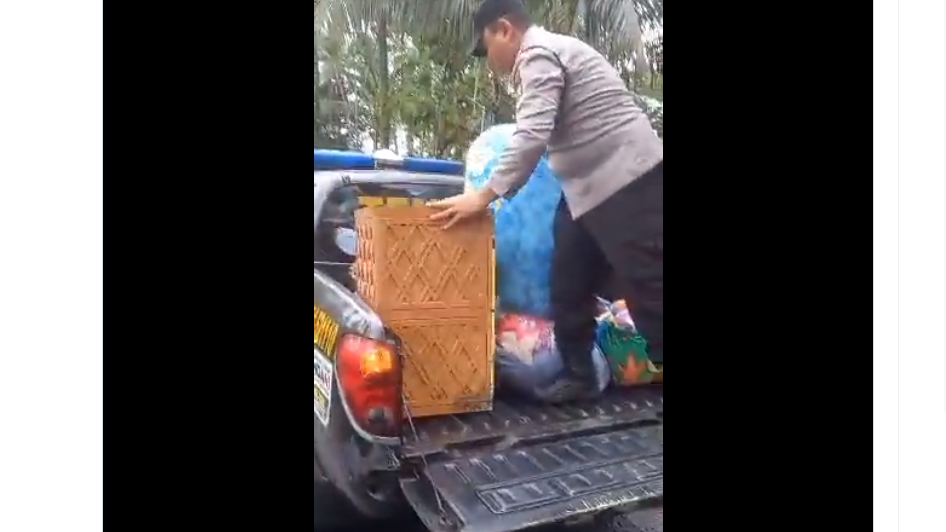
(521, 465)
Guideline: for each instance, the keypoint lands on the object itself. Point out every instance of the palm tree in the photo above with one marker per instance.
(437, 103)
(341, 109)
(611, 24)
(366, 17)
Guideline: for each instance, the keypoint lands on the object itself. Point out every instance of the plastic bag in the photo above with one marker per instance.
(527, 359)
(623, 347)
(524, 241)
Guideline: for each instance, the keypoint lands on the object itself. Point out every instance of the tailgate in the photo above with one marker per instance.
(526, 465)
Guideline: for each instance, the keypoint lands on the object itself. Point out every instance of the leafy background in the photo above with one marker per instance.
(397, 74)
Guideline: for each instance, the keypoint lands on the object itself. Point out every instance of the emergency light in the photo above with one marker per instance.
(353, 160)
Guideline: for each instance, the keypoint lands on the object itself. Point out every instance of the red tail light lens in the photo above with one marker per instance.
(369, 372)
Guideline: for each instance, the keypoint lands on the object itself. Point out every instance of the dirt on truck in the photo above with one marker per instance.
(520, 465)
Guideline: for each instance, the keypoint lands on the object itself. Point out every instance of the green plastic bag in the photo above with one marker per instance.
(623, 347)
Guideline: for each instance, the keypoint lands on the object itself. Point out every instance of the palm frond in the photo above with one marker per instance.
(621, 25)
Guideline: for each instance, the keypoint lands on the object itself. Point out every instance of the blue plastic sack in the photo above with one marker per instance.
(524, 241)
(527, 359)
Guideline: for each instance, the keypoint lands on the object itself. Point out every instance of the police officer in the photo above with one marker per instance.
(602, 147)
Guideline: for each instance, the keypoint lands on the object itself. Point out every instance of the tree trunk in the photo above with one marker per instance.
(318, 83)
(589, 23)
(384, 120)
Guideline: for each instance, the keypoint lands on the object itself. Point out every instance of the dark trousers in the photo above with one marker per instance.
(619, 241)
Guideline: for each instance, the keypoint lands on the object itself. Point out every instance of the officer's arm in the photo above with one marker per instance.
(542, 81)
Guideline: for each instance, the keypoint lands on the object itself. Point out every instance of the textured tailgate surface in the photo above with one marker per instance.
(551, 482)
(516, 421)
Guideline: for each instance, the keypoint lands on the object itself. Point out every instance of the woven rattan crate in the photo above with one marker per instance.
(435, 290)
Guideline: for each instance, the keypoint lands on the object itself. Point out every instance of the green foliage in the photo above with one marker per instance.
(654, 109)
(399, 73)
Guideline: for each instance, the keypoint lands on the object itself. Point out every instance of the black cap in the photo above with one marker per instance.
(489, 12)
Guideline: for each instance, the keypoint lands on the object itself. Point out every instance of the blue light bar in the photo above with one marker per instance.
(433, 166)
(352, 160)
(343, 160)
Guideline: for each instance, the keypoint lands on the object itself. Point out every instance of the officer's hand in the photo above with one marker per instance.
(461, 207)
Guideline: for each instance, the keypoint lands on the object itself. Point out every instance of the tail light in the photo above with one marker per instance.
(369, 374)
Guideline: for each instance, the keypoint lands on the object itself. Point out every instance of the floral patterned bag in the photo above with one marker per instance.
(527, 359)
(623, 347)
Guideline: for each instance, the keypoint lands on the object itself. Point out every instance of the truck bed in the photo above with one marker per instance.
(527, 464)
(515, 421)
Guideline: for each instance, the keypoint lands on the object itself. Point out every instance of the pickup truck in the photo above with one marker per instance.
(518, 466)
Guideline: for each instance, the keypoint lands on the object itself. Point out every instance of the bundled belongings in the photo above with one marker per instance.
(624, 348)
(527, 359)
(524, 241)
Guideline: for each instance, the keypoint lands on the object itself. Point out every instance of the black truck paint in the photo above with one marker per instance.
(516, 467)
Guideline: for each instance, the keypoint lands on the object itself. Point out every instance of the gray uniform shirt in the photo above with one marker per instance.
(573, 103)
